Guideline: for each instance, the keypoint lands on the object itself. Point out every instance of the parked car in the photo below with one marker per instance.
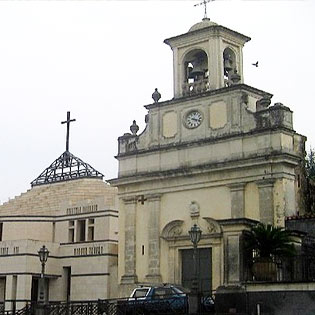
(161, 299)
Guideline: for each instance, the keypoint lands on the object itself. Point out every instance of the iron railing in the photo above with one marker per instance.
(299, 268)
(165, 305)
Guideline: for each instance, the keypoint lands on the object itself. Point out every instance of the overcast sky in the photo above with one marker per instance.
(102, 60)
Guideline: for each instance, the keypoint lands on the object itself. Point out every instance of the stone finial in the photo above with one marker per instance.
(263, 103)
(156, 95)
(134, 128)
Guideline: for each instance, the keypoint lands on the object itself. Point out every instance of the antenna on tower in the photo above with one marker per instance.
(204, 2)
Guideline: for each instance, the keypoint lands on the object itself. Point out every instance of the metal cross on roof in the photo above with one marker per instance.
(68, 121)
(204, 2)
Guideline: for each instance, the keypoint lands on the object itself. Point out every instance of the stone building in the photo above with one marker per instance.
(218, 155)
(73, 212)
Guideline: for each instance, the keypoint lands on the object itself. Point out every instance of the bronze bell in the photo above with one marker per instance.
(196, 72)
(228, 64)
(199, 65)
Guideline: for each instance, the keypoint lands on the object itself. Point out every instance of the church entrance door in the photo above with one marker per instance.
(204, 268)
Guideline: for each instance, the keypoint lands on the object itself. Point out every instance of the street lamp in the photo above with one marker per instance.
(43, 256)
(195, 236)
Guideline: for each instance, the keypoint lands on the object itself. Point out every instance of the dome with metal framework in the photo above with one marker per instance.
(66, 167)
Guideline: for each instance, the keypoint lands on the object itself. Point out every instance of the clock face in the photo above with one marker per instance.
(193, 119)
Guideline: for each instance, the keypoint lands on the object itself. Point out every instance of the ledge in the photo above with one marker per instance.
(237, 87)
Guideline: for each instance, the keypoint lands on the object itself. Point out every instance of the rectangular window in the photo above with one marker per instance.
(53, 232)
(67, 282)
(81, 231)
(91, 230)
(71, 232)
(298, 181)
(1, 229)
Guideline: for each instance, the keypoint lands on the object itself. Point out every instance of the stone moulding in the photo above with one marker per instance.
(238, 87)
(278, 157)
(213, 226)
(172, 230)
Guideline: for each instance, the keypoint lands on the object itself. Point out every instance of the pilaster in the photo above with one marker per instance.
(130, 241)
(23, 290)
(237, 200)
(154, 204)
(10, 292)
(266, 201)
(233, 266)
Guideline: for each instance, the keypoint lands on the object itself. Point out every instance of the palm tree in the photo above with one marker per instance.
(268, 241)
(267, 244)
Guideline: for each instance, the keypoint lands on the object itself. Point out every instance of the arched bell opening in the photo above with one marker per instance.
(229, 66)
(196, 73)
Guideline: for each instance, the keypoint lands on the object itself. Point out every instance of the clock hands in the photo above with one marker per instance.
(193, 119)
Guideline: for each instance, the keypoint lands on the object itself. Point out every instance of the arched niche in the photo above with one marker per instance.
(196, 72)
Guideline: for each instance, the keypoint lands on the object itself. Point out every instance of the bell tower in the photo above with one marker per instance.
(217, 155)
(208, 57)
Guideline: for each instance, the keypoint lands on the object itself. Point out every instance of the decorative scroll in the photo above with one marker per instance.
(213, 226)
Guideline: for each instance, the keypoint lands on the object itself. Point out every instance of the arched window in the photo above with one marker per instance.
(195, 72)
(229, 65)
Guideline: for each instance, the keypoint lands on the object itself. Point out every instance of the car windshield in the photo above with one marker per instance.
(177, 290)
(138, 293)
(163, 292)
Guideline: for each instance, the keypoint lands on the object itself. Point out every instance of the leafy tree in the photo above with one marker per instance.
(269, 241)
(310, 164)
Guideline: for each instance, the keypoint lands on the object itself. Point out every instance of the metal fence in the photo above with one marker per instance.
(163, 306)
(299, 268)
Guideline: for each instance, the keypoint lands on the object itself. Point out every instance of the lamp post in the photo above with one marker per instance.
(43, 256)
(195, 236)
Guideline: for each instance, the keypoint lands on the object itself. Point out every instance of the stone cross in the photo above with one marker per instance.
(204, 2)
(142, 199)
(68, 121)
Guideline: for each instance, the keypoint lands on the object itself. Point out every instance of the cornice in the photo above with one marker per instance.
(237, 87)
(278, 157)
(205, 32)
(199, 142)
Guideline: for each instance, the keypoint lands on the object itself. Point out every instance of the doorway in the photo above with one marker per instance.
(204, 269)
(34, 290)
(67, 278)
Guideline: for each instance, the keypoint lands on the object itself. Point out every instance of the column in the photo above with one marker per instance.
(154, 203)
(130, 241)
(266, 209)
(237, 200)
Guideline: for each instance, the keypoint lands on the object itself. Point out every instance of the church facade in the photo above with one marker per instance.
(73, 212)
(218, 155)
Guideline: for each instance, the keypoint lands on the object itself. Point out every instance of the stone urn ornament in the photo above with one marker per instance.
(156, 95)
(134, 128)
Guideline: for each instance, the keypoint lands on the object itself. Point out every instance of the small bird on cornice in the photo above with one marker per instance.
(255, 64)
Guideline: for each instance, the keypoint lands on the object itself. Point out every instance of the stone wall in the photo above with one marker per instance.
(274, 301)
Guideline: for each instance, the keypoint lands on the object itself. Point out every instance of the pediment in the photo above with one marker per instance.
(172, 230)
(213, 227)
